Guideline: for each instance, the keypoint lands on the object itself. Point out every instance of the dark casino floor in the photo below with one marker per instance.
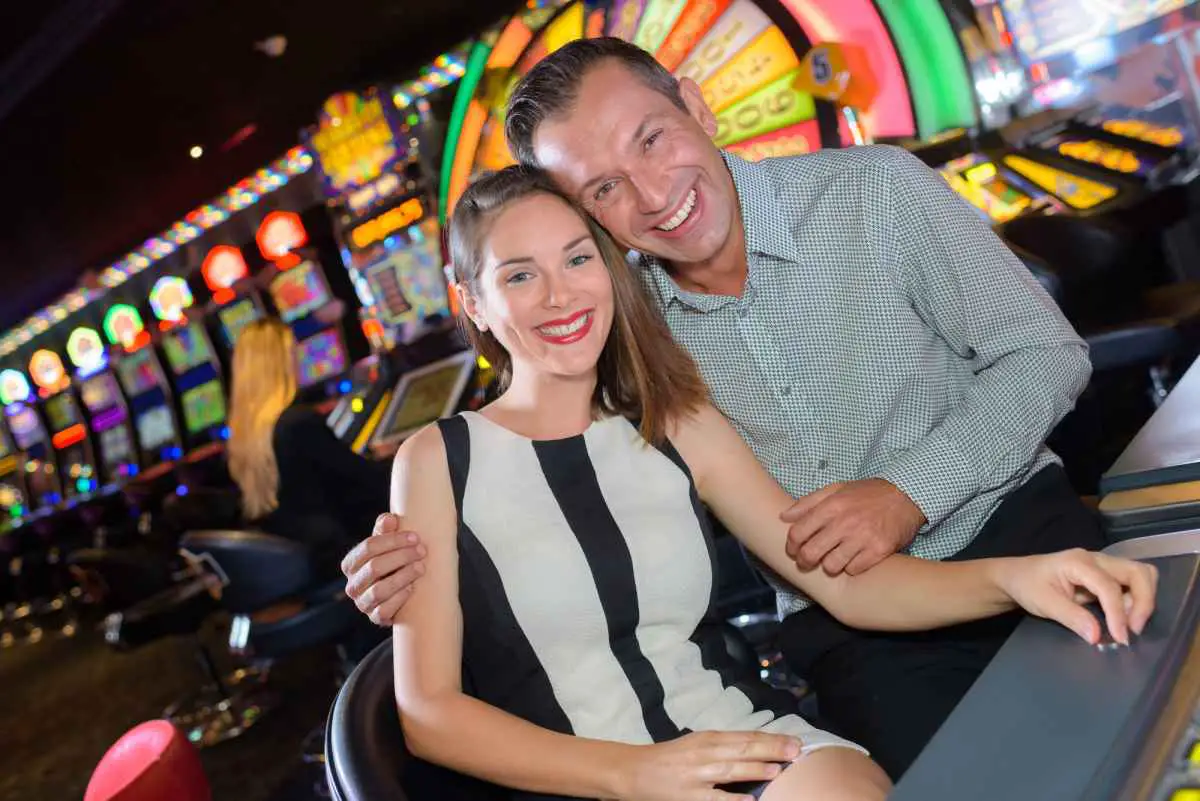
(66, 700)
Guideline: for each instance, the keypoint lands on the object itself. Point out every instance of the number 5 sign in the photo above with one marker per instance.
(838, 73)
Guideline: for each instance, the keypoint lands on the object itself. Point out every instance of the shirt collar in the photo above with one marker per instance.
(757, 191)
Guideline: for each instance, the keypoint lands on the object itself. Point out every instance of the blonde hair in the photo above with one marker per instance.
(262, 386)
(643, 374)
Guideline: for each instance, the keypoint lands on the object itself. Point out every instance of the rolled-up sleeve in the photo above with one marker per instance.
(1029, 364)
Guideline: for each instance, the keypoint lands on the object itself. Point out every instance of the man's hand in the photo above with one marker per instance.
(382, 570)
(851, 526)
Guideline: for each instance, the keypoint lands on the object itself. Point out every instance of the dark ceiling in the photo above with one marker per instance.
(101, 101)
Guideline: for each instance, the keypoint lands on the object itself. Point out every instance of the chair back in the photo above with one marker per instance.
(262, 569)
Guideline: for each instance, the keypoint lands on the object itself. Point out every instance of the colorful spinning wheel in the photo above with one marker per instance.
(745, 55)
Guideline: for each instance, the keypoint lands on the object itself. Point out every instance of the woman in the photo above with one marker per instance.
(297, 479)
(569, 568)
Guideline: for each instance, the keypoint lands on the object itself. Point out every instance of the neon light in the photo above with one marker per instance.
(85, 349)
(476, 61)
(122, 324)
(692, 24)
(942, 90)
(169, 297)
(47, 371)
(14, 387)
(765, 59)
(740, 25)
(280, 233)
(68, 436)
(223, 267)
(857, 22)
(656, 23)
(776, 105)
(804, 137)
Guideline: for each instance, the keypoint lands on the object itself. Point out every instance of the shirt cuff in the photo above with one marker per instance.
(935, 475)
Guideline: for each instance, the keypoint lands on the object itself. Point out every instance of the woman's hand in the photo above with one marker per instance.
(1057, 587)
(690, 767)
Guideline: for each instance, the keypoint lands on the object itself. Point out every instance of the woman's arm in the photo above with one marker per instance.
(440, 723)
(902, 592)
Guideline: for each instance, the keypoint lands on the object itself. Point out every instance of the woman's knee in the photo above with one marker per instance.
(830, 774)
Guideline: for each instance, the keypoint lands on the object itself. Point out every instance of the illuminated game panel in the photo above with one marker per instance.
(1145, 132)
(187, 348)
(299, 291)
(61, 412)
(100, 392)
(319, 357)
(24, 425)
(977, 180)
(1076, 191)
(236, 316)
(743, 62)
(138, 372)
(155, 427)
(115, 447)
(426, 397)
(203, 407)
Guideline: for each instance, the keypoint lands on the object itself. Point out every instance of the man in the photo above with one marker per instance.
(887, 358)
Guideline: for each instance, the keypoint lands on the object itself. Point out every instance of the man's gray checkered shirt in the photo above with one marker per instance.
(884, 331)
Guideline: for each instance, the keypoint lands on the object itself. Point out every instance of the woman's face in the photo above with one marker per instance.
(544, 291)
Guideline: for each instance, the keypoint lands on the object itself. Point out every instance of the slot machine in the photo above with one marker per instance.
(14, 497)
(35, 459)
(193, 362)
(149, 394)
(235, 302)
(79, 476)
(302, 298)
(422, 396)
(108, 414)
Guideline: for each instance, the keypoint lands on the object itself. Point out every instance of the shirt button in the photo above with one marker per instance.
(744, 312)
(822, 464)
(787, 390)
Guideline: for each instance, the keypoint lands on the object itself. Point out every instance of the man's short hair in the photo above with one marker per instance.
(552, 86)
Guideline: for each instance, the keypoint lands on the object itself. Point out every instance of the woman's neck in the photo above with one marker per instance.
(545, 407)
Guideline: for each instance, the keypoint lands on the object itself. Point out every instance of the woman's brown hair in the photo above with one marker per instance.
(642, 373)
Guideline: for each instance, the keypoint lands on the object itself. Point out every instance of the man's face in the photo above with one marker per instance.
(645, 169)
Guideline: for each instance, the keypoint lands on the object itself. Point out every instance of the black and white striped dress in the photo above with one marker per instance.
(586, 581)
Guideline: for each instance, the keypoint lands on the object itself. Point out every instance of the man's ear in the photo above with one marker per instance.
(693, 100)
(470, 305)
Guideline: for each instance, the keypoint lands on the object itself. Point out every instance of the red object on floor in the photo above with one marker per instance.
(153, 761)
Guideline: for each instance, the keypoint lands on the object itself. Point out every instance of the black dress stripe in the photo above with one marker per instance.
(500, 665)
(711, 634)
(572, 479)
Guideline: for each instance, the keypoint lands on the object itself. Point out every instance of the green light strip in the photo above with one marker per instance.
(476, 62)
(942, 92)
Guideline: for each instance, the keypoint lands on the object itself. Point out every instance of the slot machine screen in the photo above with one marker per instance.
(61, 412)
(25, 427)
(1044, 29)
(203, 407)
(187, 348)
(139, 372)
(299, 291)
(236, 316)
(319, 357)
(155, 427)
(427, 394)
(100, 392)
(115, 446)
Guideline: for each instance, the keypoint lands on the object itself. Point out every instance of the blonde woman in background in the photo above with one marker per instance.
(296, 478)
